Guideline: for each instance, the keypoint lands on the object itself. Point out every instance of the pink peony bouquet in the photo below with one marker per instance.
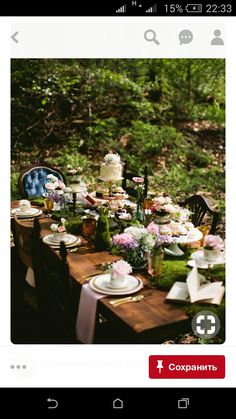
(54, 183)
(120, 269)
(212, 242)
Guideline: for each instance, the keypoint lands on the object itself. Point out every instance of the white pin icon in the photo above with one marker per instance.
(160, 365)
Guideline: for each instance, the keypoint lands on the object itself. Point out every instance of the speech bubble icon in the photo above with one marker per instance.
(185, 37)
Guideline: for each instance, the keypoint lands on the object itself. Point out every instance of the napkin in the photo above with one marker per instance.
(86, 317)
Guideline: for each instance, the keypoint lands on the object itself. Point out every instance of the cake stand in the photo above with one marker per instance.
(110, 181)
(191, 237)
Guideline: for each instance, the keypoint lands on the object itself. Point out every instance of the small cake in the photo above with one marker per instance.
(118, 192)
(101, 192)
(165, 229)
(111, 168)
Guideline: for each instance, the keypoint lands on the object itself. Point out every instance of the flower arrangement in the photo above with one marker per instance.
(159, 239)
(121, 268)
(55, 190)
(212, 247)
(134, 245)
(212, 242)
(54, 183)
(59, 230)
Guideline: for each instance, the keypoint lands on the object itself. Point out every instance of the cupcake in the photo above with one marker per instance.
(165, 229)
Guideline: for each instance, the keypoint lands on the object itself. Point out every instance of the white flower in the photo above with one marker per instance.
(112, 158)
(136, 232)
(54, 227)
(52, 178)
(168, 200)
(149, 242)
(63, 221)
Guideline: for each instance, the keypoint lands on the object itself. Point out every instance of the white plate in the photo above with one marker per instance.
(70, 241)
(33, 212)
(198, 256)
(101, 284)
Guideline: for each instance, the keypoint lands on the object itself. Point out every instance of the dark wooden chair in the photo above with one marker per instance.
(53, 284)
(32, 180)
(200, 208)
(23, 268)
(128, 184)
(24, 299)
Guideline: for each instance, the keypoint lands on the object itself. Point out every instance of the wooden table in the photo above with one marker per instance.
(149, 321)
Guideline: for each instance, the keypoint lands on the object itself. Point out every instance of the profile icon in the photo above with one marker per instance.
(217, 40)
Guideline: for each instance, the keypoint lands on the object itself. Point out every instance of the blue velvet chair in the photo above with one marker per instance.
(32, 180)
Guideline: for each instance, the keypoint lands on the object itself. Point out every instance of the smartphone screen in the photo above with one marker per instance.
(117, 151)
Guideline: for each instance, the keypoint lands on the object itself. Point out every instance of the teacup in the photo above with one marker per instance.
(117, 281)
(59, 236)
(24, 205)
(211, 255)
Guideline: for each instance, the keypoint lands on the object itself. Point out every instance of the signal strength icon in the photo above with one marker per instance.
(122, 9)
(152, 9)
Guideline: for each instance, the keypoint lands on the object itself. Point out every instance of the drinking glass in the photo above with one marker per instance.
(48, 206)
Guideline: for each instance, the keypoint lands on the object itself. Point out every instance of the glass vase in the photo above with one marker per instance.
(155, 261)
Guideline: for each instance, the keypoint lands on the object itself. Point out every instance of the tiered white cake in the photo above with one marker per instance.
(111, 168)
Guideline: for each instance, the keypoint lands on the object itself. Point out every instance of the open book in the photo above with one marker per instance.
(192, 291)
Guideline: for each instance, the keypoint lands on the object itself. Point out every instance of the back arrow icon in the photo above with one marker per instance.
(54, 402)
(14, 37)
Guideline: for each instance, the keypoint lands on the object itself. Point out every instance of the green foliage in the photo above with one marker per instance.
(73, 111)
(173, 270)
(146, 139)
(198, 158)
(102, 236)
(15, 194)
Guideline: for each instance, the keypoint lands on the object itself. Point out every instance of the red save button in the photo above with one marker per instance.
(186, 366)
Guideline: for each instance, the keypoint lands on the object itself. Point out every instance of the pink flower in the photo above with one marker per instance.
(61, 184)
(125, 241)
(160, 201)
(50, 186)
(153, 228)
(120, 268)
(138, 179)
(169, 208)
(214, 242)
(61, 229)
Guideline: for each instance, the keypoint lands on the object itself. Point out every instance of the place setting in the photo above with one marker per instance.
(59, 234)
(25, 210)
(117, 281)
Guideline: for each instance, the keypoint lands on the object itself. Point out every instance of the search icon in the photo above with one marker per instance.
(150, 35)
